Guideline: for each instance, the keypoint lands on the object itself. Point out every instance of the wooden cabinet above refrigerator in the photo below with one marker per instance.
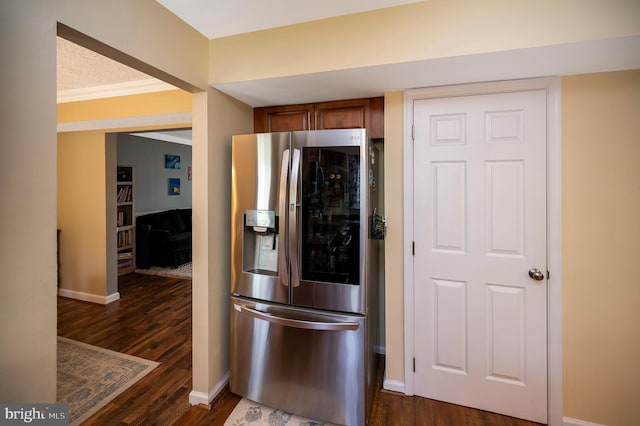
(348, 114)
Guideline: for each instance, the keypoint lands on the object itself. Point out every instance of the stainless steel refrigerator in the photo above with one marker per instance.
(303, 275)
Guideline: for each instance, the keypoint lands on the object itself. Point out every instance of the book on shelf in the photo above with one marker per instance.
(125, 265)
(125, 238)
(124, 194)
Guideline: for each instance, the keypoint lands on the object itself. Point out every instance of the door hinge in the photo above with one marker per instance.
(548, 275)
(413, 132)
(414, 364)
(413, 248)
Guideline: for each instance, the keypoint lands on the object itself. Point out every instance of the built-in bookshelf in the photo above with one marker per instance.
(126, 230)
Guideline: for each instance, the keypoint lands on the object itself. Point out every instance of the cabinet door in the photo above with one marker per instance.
(352, 114)
(283, 118)
(375, 129)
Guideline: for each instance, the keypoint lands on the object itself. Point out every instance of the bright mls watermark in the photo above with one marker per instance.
(34, 414)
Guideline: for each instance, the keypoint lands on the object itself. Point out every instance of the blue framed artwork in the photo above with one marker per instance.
(174, 186)
(171, 161)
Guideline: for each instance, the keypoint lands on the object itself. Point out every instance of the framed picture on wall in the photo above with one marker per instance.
(171, 161)
(174, 186)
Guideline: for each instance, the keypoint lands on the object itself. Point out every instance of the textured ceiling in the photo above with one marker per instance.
(79, 68)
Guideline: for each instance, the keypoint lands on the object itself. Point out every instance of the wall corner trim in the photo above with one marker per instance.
(393, 385)
(197, 398)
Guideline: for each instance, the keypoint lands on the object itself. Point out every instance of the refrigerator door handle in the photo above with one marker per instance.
(295, 323)
(282, 226)
(293, 218)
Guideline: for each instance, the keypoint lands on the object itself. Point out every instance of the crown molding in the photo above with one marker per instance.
(167, 136)
(174, 119)
(112, 90)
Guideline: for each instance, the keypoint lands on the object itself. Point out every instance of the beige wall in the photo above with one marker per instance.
(28, 206)
(425, 30)
(393, 203)
(211, 238)
(144, 30)
(156, 103)
(601, 209)
(82, 212)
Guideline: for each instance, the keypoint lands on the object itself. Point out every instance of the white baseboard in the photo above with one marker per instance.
(568, 421)
(112, 297)
(197, 398)
(393, 385)
(89, 297)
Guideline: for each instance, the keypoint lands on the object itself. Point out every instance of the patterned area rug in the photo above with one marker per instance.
(182, 271)
(249, 413)
(90, 377)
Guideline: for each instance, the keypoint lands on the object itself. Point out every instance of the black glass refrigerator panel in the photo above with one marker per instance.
(330, 215)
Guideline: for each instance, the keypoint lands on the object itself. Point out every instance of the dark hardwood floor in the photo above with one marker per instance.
(152, 320)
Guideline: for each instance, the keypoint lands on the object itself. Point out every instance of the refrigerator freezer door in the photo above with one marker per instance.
(329, 206)
(260, 170)
(308, 363)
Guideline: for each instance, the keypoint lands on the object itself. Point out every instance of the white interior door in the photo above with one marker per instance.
(480, 227)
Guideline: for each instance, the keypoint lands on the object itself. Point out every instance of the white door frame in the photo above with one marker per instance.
(554, 224)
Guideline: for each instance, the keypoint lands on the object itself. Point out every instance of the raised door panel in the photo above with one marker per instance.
(283, 118)
(343, 114)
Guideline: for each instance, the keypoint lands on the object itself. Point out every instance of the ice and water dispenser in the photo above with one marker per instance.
(260, 242)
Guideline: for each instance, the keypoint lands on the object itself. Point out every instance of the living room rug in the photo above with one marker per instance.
(90, 377)
(249, 413)
(182, 271)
